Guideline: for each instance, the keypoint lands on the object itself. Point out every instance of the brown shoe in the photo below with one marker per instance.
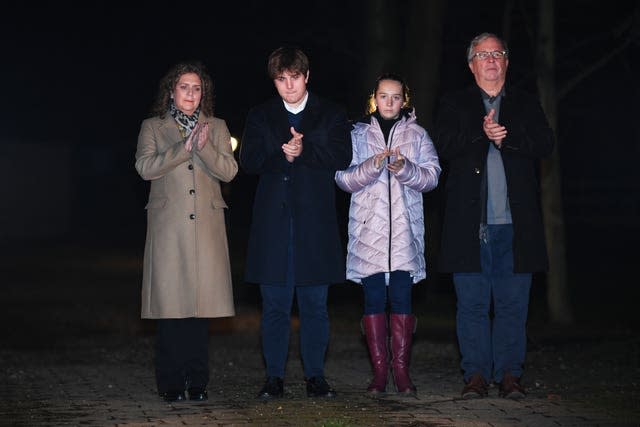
(475, 388)
(510, 387)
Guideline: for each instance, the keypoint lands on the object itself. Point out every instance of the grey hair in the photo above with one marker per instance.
(479, 39)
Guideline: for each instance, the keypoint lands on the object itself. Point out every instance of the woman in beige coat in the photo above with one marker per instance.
(185, 152)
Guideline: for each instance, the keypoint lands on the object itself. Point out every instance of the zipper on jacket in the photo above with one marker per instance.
(389, 194)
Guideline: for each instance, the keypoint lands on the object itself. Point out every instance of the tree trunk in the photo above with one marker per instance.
(558, 302)
(422, 56)
(422, 61)
(382, 48)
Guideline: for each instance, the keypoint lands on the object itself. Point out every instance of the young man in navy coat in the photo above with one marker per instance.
(295, 142)
(490, 137)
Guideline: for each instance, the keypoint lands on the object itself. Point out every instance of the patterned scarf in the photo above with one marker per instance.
(185, 122)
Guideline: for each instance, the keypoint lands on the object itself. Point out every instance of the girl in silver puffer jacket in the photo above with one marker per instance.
(394, 162)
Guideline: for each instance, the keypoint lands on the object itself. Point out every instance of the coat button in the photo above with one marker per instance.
(192, 216)
(476, 170)
(192, 191)
(190, 167)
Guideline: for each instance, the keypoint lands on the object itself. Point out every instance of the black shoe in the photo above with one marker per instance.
(319, 387)
(173, 396)
(198, 394)
(272, 389)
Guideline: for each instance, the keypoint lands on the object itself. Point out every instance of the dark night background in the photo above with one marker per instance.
(79, 79)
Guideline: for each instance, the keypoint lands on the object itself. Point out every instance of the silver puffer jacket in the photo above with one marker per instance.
(386, 218)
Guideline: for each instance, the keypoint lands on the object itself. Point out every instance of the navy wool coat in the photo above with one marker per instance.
(304, 190)
(462, 147)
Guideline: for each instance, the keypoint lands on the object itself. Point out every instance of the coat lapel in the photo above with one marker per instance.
(168, 129)
(310, 116)
(278, 116)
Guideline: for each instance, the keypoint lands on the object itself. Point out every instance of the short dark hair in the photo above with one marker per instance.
(287, 58)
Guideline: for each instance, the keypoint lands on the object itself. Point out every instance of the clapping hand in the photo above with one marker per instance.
(199, 135)
(396, 160)
(494, 131)
(293, 147)
(378, 159)
(395, 165)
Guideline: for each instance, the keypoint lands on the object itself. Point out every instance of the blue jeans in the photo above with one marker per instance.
(493, 346)
(375, 293)
(277, 301)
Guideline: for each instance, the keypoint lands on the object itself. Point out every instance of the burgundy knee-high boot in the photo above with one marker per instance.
(375, 329)
(402, 329)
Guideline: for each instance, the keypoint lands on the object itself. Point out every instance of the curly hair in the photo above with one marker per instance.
(371, 101)
(170, 80)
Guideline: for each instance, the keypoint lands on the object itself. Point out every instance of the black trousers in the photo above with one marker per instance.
(182, 354)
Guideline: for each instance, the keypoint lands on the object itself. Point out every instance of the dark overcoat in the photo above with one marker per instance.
(462, 147)
(304, 190)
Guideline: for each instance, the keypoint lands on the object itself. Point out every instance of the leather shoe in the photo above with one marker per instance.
(510, 387)
(273, 388)
(319, 387)
(173, 396)
(198, 394)
(475, 388)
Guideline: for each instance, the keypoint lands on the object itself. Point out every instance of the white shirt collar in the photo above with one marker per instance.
(296, 110)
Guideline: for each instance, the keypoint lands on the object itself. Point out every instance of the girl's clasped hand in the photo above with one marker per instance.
(395, 163)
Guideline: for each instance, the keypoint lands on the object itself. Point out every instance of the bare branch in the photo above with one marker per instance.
(572, 83)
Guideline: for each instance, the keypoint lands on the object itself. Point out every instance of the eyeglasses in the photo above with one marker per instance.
(496, 54)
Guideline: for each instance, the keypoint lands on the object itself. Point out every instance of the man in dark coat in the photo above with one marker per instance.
(490, 138)
(295, 143)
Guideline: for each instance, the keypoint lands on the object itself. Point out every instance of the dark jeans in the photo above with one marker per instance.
(399, 293)
(493, 346)
(276, 325)
(277, 301)
(182, 354)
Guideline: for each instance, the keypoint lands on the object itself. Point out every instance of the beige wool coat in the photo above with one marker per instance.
(186, 269)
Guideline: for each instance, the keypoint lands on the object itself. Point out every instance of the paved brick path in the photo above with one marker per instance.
(107, 380)
(75, 353)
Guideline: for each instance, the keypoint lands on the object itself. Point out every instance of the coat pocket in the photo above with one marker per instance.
(218, 204)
